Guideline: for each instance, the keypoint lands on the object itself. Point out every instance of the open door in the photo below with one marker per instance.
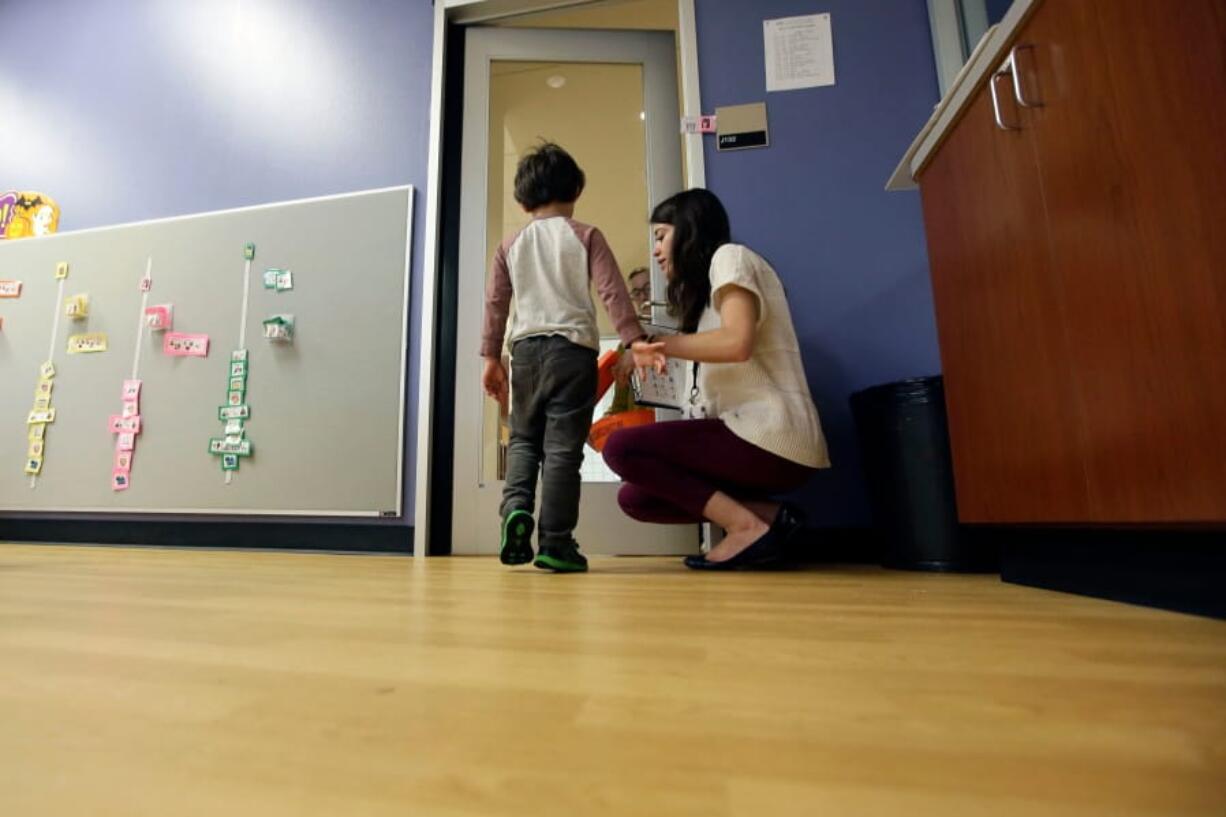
(609, 98)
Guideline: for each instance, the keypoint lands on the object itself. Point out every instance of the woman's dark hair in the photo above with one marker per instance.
(547, 174)
(700, 227)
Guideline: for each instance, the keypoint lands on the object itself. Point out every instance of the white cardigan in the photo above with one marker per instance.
(764, 400)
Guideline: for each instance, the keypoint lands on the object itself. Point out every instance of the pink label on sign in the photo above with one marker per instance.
(115, 424)
(126, 441)
(179, 344)
(707, 124)
(10, 289)
(131, 390)
(119, 480)
(146, 284)
(123, 462)
(129, 409)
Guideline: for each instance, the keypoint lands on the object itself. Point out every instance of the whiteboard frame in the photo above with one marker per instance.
(27, 513)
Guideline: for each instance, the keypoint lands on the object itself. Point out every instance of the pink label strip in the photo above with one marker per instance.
(180, 344)
(118, 424)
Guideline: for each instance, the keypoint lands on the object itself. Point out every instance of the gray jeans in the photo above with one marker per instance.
(553, 393)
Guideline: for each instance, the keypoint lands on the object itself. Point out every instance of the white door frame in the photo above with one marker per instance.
(467, 12)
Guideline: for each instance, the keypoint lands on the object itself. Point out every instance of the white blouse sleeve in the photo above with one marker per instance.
(733, 265)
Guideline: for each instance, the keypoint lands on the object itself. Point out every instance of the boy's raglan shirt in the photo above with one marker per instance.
(547, 270)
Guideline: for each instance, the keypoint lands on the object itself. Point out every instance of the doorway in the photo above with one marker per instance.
(610, 98)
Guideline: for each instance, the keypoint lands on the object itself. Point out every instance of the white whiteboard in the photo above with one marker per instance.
(326, 419)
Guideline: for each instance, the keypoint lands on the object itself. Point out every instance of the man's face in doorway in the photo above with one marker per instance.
(639, 284)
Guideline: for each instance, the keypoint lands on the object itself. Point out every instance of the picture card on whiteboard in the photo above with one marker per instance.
(160, 318)
(181, 344)
(87, 344)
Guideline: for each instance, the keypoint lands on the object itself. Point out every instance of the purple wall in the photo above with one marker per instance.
(138, 109)
(852, 256)
(997, 10)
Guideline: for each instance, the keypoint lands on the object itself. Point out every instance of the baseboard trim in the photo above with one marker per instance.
(1184, 571)
(271, 535)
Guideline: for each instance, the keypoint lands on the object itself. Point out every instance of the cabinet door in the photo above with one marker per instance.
(1131, 145)
(1016, 440)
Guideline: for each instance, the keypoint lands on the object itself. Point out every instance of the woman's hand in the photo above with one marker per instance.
(732, 342)
(494, 380)
(649, 356)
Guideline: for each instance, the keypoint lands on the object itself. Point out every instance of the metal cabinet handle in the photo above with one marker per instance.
(1018, 93)
(1000, 122)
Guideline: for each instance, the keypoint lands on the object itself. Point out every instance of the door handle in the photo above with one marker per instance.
(1000, 122)
(1018, 93)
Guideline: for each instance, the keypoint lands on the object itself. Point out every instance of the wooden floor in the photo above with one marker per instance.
(183, 683)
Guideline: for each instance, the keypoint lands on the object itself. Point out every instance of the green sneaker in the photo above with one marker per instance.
(561, 559)
(517, 538)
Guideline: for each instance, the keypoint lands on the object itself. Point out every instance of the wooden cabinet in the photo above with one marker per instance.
(1079, 269)
(1016, 449)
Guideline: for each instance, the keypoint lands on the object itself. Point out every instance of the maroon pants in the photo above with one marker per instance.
(671, 470)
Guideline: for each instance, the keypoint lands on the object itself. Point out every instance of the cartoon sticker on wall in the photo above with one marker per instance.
(8, 207)
(27, 215)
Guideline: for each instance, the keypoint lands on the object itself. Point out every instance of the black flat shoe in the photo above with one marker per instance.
(766, 552)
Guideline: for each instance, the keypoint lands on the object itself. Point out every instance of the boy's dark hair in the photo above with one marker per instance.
(547, 174)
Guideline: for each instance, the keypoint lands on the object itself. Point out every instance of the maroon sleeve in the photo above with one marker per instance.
(611, 287)
(497, 305)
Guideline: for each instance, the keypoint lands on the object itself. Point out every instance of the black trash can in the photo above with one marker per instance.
(904, 446)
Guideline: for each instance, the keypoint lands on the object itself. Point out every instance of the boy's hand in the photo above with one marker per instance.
(494, 380)
(649, 356)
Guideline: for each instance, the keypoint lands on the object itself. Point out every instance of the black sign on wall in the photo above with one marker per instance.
(738, 141)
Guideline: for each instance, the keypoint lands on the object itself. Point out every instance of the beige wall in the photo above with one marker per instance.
(626, 15)
(656, 15)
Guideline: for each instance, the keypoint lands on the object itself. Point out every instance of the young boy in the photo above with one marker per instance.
(548, 269)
